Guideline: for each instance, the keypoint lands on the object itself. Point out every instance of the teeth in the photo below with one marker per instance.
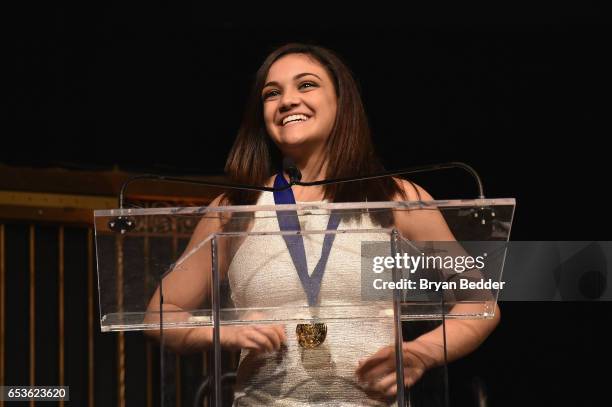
(293, 117)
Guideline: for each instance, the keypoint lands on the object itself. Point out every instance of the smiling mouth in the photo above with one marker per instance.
(293, 119)
(293, 123)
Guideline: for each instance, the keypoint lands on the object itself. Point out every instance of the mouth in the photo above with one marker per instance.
(294, 119)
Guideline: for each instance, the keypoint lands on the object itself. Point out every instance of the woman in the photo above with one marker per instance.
(306, 106)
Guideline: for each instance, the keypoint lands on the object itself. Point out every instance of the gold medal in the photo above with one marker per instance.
(311, 335)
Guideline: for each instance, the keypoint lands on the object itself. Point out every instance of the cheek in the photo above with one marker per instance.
(268, 116)
(330, 112)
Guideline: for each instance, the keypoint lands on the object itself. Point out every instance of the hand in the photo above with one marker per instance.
(377, 372)
(257, 338)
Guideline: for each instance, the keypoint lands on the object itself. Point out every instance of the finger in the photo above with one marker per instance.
(246, 339)
(381, 356)
(279, 328)
(251, 345)
(388, 386)
(280, 331)
(272, 334)
(268, 333)
(377, 372)
(385, 384)
(262, 341)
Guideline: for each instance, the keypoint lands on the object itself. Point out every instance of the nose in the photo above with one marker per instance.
(288, 101)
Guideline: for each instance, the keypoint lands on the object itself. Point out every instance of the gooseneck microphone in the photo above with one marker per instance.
(123, 224)
(412, 170)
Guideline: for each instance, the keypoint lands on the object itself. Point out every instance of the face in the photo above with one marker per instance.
(299, 103)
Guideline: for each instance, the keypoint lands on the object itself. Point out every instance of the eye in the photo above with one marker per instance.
(270, 94)
(308, 85)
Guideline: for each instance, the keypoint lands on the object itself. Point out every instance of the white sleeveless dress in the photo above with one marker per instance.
(262, 274)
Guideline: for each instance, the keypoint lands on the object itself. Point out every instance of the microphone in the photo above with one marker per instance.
(290, 168)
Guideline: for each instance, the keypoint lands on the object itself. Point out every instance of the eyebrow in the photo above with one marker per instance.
(298, 76)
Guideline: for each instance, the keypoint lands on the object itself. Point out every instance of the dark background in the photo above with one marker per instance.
(518, 93)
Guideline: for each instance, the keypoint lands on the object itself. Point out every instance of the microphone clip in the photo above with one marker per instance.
(292, 170)
(122, 224)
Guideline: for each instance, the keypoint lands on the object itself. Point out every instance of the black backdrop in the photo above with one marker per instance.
(518, 93)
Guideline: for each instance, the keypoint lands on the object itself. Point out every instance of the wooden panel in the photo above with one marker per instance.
(2, 301)
(46, 305)
(17, 305)
(49, 328)
(76, 337)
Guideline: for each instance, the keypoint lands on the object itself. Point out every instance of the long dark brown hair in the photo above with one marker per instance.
(254, 157)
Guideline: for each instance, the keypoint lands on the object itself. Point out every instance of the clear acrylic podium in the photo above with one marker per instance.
(220, 268)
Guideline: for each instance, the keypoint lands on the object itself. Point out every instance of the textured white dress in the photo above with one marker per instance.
(262, 274)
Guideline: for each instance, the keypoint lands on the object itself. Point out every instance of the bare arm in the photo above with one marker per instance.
(187, 287)
(462, 336)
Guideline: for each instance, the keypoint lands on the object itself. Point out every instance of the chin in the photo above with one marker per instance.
(294, 138)
(293, 141)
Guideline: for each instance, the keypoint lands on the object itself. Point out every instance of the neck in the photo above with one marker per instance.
(313, 167)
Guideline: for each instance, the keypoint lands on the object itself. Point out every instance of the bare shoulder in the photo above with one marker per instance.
(411, 191)
(219, 200)
(209, 223)
(421, 224)
(270, 182)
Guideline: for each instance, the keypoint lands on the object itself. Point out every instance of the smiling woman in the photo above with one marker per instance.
(305, 105)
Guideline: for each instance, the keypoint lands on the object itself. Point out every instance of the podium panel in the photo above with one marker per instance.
(338, 294)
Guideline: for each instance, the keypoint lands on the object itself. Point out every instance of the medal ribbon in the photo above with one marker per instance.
(289, 221)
